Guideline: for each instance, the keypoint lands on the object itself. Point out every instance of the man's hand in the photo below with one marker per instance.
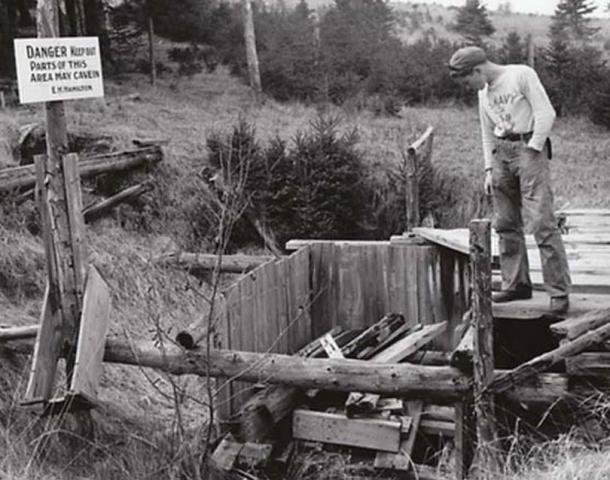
(488, 182)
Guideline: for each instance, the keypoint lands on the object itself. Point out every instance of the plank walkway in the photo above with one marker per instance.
(587, 243)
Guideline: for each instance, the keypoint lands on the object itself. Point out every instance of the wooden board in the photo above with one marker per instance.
(572, 328)
(410, 344)
(589, 364)
(92, 336)
(538, 306)
(46, 354)
(402, 460)
(339, 430)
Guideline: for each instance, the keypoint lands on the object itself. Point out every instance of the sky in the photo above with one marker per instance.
(546, 7)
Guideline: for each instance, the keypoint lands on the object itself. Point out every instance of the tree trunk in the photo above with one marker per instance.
(251, 55)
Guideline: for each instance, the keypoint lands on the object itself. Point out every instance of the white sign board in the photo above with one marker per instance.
(64, 68)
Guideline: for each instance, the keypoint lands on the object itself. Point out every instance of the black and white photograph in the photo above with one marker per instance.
(304, 239)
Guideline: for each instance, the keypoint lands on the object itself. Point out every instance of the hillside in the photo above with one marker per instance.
(417, 19)
(153, 425)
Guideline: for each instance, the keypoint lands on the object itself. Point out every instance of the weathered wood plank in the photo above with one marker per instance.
(410, 344)
(574, 327)
(47, 351)
(402, 460)
(339, 430)
(589, 364)
(92, 336)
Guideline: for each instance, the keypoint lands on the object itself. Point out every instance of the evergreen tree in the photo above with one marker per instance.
(570, 20)
(473, 22)
(514, 49)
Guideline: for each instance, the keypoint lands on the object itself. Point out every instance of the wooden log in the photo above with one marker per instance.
(200, 264)
(483, 360)
(18, 333)
(548, 359)
(25, 177)
(94, 211)
(442, 383)
(338, 429)
(573, 327)
(462, 356)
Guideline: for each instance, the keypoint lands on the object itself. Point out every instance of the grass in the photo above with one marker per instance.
(138, 435)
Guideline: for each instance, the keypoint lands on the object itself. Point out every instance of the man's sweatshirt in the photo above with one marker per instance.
(515, 102)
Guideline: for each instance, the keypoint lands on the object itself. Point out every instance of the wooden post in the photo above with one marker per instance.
(251, 55)
(421, 148)
(58, 188)
(483, 360)
(531, 51)
(151, 44)
(411, 190)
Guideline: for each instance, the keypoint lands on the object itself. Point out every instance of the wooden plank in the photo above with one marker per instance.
(574, 327)
(24, 176)
(226, 453)
(548, 359)
(339, 430)
(538, 306)
(402, 460)
(410, 344)
(46, 354)
(483, 359)
(589, 364)
(398, 283)
(297, 244)
(350, 309)
(303, 297)
(92, 336)
(375, 334)
(254, 455)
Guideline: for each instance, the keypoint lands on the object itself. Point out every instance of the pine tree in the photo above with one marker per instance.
(570, 20)
(473, 22)
(514, 49)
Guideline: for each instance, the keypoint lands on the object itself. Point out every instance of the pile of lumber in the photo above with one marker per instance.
(383, 429)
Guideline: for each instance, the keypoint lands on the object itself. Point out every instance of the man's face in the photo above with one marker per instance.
(474, 80)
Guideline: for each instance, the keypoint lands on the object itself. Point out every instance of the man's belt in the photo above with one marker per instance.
(525, 137)
(517, 137)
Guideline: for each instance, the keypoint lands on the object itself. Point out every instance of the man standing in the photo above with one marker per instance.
(516, 120)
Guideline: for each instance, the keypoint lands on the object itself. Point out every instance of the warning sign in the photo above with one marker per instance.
(64, 68)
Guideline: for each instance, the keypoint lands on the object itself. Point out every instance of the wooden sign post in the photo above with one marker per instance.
(60, 204)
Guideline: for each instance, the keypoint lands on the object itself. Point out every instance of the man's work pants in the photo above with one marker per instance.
(522, 189)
